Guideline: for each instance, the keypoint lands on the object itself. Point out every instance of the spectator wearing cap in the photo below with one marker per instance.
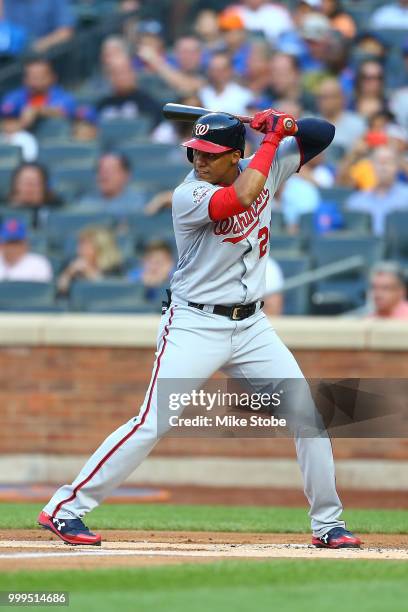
(147, 35)
(40, 97)
(369, 89)
(17, 263)
(388, 292)
(272, 19)
(113, 193)
(85, 124)
(12, 134)
(222, 92)
(183, 71)
(235, 38)
(388, 195)
(127, 101)
(339, 20)
(391, 16)
(331, 106)
(46, 22)
(156, 269)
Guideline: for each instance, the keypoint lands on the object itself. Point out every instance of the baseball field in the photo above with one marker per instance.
(197, 557)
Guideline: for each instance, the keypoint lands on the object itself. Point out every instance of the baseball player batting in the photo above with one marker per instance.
(214, 319)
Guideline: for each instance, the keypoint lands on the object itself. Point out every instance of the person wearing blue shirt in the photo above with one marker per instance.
(46, 22)
(40, 96)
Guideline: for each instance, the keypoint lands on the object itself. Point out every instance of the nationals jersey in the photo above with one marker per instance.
(224, 262)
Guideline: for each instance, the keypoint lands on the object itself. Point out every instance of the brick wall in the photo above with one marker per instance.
(65, 400)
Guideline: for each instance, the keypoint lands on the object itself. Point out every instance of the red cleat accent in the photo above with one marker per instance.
(70, 531)
(337, 538)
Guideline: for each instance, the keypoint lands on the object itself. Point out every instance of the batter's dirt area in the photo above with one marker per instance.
(36, 549)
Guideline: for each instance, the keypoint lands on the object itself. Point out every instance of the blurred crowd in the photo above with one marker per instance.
(305, 57)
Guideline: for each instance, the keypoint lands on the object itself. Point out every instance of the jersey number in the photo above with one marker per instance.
(263, 237)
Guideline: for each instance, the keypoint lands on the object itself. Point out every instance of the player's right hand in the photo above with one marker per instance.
(273, 122)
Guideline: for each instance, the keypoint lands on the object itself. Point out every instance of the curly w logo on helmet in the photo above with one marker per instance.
(201, 129)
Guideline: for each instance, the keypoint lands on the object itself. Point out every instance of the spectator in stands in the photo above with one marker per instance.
(207, 28)
(273, 296)
(156, 270)
(46, 22)
(30, 189)
(113, 47)
(318, 172)
(223, 93)
(298, 196)
(391, 16)
(285, 81)
(97, 256)
(114, 193)
(184, 72)
(331, 105)
(148, 35)
(127, 101)
(339, 19)
(388, 195)
(399, 98)
(272, 19)
(235, 40)
(85, 124)
(12, 134)
(40, 97)
(369, 89)
(17, 263)
(388, 291)
(257, 75)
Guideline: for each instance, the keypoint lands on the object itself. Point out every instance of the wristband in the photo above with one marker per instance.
(263, 158)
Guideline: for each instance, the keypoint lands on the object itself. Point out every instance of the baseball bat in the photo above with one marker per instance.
(183, 112)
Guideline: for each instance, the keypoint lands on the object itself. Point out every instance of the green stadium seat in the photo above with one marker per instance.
(80, 178)
(115, 132)
(145, 229)
(335, 194)
(27, 296)
(357, 223)
(161, 178)
(68, 153)
(111, 296)
(396, 236)
(143, 154)
(51, 129)
(61, 225)
(296, 301)
(10, 155)
(282, 243)
(22, 214)
(277, 222)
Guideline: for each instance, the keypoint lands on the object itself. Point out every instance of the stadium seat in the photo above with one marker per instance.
(335, 194)
(277, 222)
(22, 214)
(344, 291)
(282, 243)
(145, 229)
(79, 178)
(396, 235)
(10, 155)
(357, 223)
(52, 129)
(164, 177)
(116, 132)
(6, 172)
(143, 154)
(27, 296)
(110, 295)
(61, 225)
(296, 301)
(68, 153)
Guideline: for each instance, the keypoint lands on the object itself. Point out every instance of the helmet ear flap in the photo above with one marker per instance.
(190, 154)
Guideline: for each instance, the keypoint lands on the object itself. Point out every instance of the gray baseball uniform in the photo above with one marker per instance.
(220, 262)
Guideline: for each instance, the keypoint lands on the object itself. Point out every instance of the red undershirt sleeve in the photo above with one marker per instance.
(224, 203)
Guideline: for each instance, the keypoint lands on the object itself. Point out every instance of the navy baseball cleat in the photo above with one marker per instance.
(71, 531)
(337, 538)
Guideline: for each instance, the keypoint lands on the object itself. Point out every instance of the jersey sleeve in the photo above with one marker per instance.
(191, 201)
(287, 161)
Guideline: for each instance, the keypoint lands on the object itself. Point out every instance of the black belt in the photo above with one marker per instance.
(236, 313)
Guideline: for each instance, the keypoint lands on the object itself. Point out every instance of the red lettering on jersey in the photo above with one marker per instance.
(243, 224)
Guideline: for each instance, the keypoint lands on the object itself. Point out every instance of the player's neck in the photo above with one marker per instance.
(230, 177)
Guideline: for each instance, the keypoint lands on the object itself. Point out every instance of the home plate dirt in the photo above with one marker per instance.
(145, 548)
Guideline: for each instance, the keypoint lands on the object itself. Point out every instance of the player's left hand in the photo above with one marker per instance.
(275, 121)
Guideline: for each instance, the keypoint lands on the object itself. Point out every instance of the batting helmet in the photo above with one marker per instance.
(216, 133)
